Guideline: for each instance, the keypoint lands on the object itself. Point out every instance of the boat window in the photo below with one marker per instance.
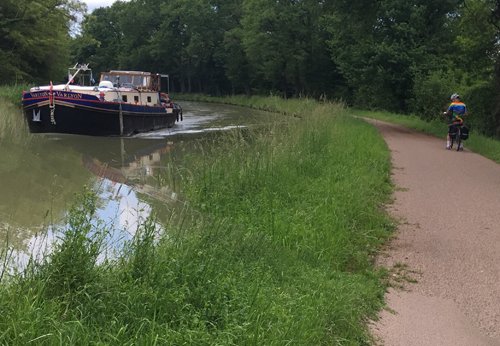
(136, 99)
(149, 99)
(124, 79)
(137, 81)
(124, 98)
(127, 80)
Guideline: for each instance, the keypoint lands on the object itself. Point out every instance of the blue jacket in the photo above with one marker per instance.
(457, 109)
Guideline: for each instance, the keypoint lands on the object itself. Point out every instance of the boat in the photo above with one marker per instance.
(122, 104)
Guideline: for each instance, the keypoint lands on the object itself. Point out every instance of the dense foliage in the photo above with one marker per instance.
(398, 55)
(34, 38)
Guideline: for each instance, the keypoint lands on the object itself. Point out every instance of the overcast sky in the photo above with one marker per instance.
(93, 4)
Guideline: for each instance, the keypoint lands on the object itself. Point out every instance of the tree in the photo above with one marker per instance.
(275, 41)
(380, 46)
(100, 41)
(35, 38)
(236, 64)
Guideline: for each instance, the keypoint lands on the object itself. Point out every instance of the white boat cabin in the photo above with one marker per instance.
(133, 87)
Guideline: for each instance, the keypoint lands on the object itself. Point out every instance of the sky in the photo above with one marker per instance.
(93, 4)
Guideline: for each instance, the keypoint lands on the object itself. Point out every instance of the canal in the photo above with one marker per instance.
(41, 175)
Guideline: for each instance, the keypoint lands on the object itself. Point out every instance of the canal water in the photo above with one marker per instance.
(41, 175)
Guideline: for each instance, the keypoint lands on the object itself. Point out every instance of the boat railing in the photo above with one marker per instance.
(77, 68)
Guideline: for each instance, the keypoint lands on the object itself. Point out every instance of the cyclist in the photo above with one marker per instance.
(456, 113)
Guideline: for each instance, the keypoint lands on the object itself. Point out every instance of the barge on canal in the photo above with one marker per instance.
(124, 103)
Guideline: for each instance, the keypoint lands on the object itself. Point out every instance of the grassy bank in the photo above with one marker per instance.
(13, 93)
(480, 144)
(275, 248)
(12, 123)
(486, 146)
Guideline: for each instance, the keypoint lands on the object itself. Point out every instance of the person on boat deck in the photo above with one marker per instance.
(165, 98)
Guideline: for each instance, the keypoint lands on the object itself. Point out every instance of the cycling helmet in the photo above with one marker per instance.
(454, 97)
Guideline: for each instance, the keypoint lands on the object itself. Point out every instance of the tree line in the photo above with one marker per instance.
(397, 55)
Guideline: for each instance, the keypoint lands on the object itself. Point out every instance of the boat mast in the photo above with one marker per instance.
(78, 67)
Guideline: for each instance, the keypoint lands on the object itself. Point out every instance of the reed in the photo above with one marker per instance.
(13, 93)
(284, 221)
(12, 123)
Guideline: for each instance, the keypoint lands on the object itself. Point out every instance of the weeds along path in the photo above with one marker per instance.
(448, 241)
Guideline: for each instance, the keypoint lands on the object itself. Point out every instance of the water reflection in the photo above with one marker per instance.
(39, 179)
(121, 213)
(134, 177)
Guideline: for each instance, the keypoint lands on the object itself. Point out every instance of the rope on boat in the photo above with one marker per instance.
(120, 112)
(52, 104)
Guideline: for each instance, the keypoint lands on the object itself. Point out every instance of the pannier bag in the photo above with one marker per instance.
(464, 133)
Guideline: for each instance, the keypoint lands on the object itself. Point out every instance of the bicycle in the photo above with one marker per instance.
(457, 132)
(456, 136)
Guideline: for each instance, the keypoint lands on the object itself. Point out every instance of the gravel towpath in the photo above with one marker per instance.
(448, 241)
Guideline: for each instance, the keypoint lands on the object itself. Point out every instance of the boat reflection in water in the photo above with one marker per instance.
(134, 176)
(132, 180)
(139, 164)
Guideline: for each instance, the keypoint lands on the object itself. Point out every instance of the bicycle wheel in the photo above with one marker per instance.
(458, 139)
(452, 139)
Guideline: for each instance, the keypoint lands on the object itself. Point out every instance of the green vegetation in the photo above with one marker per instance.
(488, 147)
(35, 39)
(12, 123)
(277, 242)
(13, 93)
(404, 56)
(275, 247)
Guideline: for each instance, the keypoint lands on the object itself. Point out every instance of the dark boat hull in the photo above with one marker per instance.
(89, 117)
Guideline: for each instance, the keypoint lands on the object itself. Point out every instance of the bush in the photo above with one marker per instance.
(430, 94)
(431, 99)
(480, 102)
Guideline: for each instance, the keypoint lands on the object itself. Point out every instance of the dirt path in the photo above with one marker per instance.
(449, 241)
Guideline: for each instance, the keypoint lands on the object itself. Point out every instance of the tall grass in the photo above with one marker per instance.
(486, 146)
(12, 123)
(13, 93)
(283, 224)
